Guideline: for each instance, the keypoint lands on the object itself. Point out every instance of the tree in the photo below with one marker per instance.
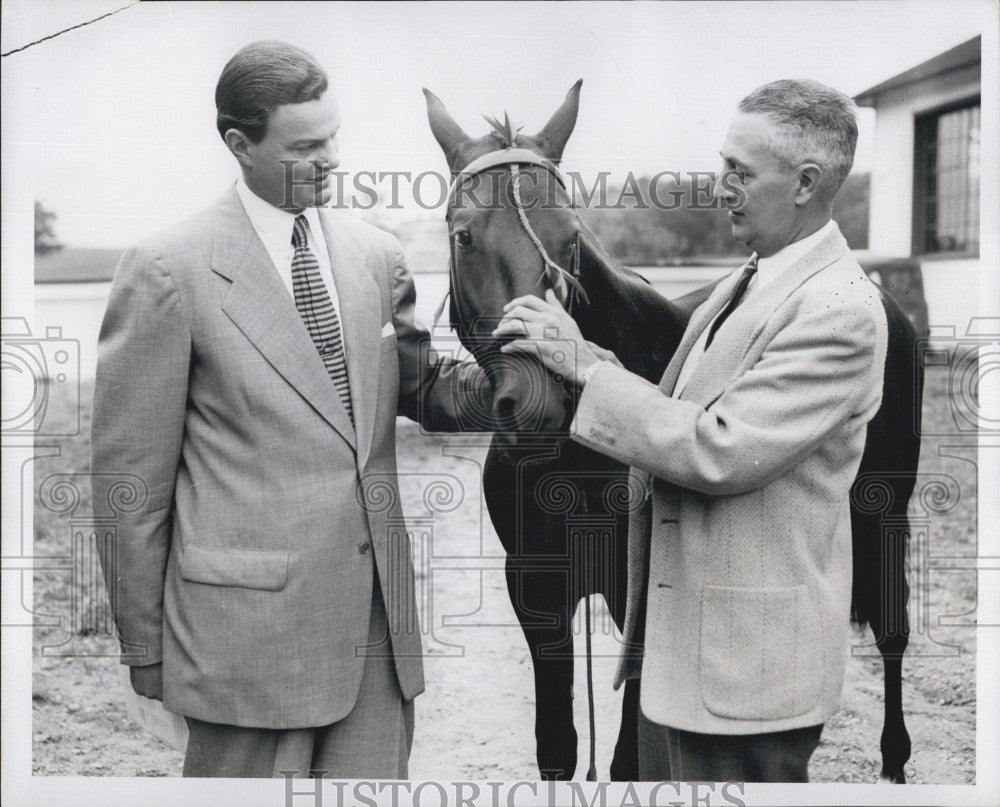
(685, 225)
(680, 223)
(45, 235)
(850, 210)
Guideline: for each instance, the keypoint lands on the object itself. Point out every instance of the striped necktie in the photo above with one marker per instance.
(312, 299)
(741, 288)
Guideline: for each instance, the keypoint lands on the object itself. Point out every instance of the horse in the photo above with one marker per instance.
(561, 510)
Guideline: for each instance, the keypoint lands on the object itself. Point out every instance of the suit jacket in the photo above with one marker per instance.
(741, 553)
(249, 571)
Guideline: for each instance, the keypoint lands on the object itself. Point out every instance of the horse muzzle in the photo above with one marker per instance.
(526, 397)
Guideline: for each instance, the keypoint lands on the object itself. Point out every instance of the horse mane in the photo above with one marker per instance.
(626, 312)
(593, 250)
(590, 243)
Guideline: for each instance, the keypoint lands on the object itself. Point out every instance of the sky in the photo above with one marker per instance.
(117, 117)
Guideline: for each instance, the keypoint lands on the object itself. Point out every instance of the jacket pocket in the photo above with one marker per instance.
(227, 566)
(761, 654)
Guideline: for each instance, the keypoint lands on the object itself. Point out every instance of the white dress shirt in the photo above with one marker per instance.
(274, 227)
(767, 270)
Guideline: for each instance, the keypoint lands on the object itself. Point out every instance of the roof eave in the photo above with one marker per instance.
(959, 57)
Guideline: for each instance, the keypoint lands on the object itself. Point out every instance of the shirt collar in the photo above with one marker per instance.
(271, 221)
(772, 266)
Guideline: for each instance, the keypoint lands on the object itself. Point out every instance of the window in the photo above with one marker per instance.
(946, 181)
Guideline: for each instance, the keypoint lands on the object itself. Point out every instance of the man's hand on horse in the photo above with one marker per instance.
(543, 329)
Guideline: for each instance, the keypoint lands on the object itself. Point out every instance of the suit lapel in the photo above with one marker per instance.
(717, 366)
(360, 311)
(700, 320)
(261, 307)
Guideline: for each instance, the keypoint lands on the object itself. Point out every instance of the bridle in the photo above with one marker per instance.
(565, 283)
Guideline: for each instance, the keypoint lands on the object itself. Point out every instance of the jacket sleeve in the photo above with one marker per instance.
(439, 392)
(140, 398)
(817, 373)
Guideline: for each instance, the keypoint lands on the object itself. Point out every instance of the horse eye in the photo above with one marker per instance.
(464, 238)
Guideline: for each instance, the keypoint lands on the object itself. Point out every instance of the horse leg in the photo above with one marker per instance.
(890, 624)
(543, 594)
(540, 601)
(625, 763)
(880, 534)
(880, 596)
(895, 743)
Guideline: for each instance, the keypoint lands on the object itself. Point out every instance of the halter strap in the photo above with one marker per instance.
(515, 158)
(495, 159)
(561, 276)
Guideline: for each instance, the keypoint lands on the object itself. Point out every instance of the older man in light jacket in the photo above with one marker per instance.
(740, 561)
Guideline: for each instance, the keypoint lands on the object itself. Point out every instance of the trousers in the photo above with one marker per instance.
(372, 742)
(668, 754)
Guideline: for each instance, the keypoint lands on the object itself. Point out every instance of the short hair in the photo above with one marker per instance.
(261, 77)
(819, 124)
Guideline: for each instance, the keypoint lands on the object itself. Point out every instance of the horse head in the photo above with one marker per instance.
(513, 232)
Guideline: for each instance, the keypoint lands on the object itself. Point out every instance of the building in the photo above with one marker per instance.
(925, 180)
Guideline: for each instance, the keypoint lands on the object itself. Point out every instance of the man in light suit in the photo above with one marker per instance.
(252, 362)
(740, 558)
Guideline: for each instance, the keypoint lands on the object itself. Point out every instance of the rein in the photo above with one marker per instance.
(565, 283)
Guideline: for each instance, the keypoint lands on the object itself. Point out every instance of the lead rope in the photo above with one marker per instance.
(592, 770)
(561, 276)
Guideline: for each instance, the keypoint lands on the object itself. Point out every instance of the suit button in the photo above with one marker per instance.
(364, 547)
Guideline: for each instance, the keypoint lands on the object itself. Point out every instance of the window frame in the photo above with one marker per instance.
(919, 174)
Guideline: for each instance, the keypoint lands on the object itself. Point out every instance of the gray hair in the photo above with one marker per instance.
(818, 123)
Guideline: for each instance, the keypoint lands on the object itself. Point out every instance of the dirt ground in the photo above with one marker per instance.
(479, 694)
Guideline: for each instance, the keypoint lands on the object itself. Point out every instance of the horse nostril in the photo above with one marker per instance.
(505, 407)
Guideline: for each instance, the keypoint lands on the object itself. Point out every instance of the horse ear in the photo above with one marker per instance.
(552, 138)
(448, 134)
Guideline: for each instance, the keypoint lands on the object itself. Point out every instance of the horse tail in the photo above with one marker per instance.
(885, 482)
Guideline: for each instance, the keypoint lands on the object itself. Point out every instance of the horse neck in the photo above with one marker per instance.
(626, 314)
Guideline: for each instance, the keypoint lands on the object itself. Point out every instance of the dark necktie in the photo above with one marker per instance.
(312, 299)
(748, 272)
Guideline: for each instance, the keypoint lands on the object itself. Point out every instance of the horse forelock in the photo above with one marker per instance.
(505, 133)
